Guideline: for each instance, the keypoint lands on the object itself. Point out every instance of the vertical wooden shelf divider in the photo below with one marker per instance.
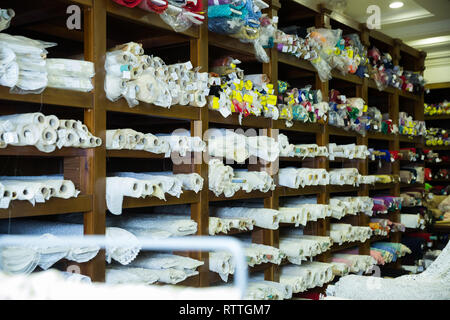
(95, 119)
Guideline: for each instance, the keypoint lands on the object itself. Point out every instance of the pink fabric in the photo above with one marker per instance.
(377, 256)
(147, 5)
(341, 260)
(128, 3)
(350, 251)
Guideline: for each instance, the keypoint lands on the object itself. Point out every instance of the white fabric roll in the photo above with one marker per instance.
(117, 188)
(192, 181)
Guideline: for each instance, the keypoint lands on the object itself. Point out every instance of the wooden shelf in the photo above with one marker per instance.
(418, 140)
(345, 188)
(228, 43)
(20, 209)
(145, 109)
(307, 190)
(295, 62)
(382, 186)
(439, 181)
(298, 126)
(372, 85)
(187, 197)
(51, 96)
(145, 18)
(233, 119)
(335, 131)
(380, 136)
(438, 148)
(141, 154)
(349, 77)
(379, 238)
(437, 117)
(240, 195)
(31, 151)
(409, 95)
(346, 245)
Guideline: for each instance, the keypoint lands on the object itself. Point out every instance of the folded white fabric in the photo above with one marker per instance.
(6, 15)
(22, 259)
(127, 250)
(286, 149)
(222, 263)
(166, 261)
(228, 145)
(315, 274)
(176, 225)
(324, 243)
(128, 275)
(264, 218)
(412, 221)
(356, 263)
(271, 290)
(341, 232)
(255, 180)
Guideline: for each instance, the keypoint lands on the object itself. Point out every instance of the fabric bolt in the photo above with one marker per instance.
(176, 225)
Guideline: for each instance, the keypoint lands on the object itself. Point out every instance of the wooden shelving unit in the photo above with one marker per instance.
(88, 168)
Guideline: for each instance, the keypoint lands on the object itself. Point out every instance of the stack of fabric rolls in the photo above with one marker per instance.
(24, 67)
(260, 289)
(148, 184)
(303, 105)
(298, 247)
(341, 232)
(35, 189)
(224, 180)
(46, 133)
(129, 139)
(238, 147)
(24, 259)
(355, 262)
(138, 77)
(306, 276)
(149, 268)
(395, 250)
(233, 92)
(243, 20)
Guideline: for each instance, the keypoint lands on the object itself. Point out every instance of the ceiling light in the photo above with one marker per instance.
(396, 5)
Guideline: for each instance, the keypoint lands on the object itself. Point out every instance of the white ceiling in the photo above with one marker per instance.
(423, 24)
